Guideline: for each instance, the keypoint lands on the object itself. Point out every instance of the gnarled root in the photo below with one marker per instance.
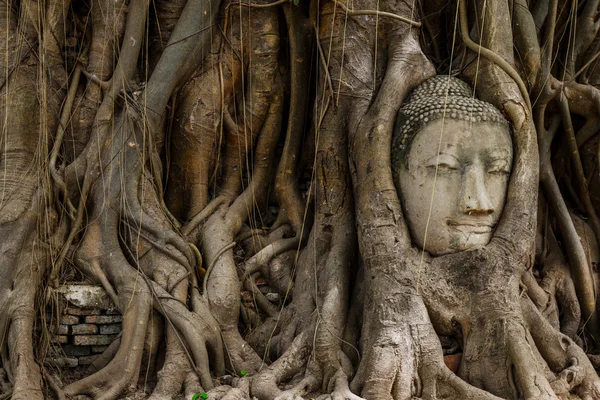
(402, 355)
(573, 370)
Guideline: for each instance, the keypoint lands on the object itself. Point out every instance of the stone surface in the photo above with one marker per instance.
(103, 319)
(76, 351)
(84, 329)
(92, 340)
(85, 296)
(110, 329)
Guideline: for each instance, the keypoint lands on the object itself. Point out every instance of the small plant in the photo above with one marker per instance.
(243, 373)
(197, 396)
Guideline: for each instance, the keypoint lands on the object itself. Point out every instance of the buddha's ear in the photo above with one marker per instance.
(398, 148)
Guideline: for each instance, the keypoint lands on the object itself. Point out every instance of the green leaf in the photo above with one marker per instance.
(196, 396)
(204, 395)
(244, 372)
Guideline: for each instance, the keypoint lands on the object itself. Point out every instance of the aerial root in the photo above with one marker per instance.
(446, 380)
(176, 366)
(60, 395)
(260, 261)
(341, 388)
(107, 355)
(264, 384)
(259, 298)
(201, 334)
(574, 371)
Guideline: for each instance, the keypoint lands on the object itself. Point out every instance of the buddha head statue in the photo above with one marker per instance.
(451, 162)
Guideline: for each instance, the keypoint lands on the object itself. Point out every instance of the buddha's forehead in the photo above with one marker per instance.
(463, 138)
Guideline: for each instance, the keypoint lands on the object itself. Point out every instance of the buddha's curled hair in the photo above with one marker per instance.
(439, 97)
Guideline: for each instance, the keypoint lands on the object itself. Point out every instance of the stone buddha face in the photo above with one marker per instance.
(453, 198)
(473, 167)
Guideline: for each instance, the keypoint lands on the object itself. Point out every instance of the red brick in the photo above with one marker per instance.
(92, 340)
(110, 329)
(76, 351)
(62, 330)
(69, 320)
(62, 339)
(84, 329)
(82, 311)
(98, 349)
(103, 319)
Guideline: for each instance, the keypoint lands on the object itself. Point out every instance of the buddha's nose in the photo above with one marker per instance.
(474, 195)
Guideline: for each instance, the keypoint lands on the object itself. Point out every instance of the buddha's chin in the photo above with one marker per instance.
(471, 241)
(457, 242)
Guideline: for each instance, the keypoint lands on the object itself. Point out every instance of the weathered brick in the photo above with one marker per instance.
(82, 311)
(98, 349)
(63, 362)
(110, 329)
(87, 360)
(62, 330)
(103, 319)
(92, 340)
(60, 339)
(76, 351)
(69, 320)
(84, 329)
(113, 311)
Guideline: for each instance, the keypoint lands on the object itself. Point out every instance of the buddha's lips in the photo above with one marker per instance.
(477, 226)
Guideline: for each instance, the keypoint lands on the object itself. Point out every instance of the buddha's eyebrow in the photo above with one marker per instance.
(499, 153)
(448, 148)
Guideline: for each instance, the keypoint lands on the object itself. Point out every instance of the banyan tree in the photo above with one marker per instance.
(414, 178)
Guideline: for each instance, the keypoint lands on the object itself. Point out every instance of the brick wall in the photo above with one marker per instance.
(88, 323)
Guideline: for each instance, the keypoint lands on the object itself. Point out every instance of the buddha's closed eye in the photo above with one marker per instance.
(443, 162)
(499, 166)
